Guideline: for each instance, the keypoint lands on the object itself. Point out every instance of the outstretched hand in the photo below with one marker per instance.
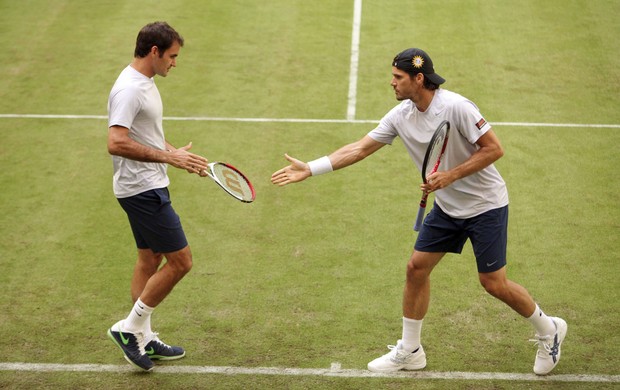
(295, 172)
(181, 158)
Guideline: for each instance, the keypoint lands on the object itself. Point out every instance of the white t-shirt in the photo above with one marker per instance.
(135, 103)
(465, 198)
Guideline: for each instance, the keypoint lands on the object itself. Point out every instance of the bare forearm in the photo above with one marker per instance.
(353, 153)
(136, 151)
(484, 157)
(347, 155)
(120, 144)
(489, 152)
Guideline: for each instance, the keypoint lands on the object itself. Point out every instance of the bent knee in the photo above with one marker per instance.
(495, 283)
(181, 261)
(186, 265)
(415, 271)
(492, 289)
(411, 268)
(496, 288)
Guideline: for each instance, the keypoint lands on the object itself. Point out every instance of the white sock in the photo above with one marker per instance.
(411, 334)
(139, 318)
(542, 323)
(147, 328)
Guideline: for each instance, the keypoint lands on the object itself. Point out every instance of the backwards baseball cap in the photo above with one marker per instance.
(414, 61)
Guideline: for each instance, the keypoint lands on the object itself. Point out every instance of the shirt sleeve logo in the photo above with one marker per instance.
(481, 123)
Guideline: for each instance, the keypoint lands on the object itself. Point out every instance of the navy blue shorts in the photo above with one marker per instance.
(488, 233)
(154, 223)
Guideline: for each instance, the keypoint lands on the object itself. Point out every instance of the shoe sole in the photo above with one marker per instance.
(410, 367)
(111, 336)
(160, 357)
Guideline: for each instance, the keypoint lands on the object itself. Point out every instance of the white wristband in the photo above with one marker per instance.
(320, 166)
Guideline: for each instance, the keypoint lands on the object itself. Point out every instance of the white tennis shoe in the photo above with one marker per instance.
(548, 354)
(398, 359)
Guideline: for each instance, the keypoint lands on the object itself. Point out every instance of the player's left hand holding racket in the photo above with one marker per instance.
(432, 159)
(231, 180)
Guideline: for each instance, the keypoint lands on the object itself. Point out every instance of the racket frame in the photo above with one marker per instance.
(234, 194)
(422, 209)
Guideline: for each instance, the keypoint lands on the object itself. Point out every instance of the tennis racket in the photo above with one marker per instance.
(232, 181)
(432, 159)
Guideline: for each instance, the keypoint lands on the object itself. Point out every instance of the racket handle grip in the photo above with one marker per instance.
(419, 219)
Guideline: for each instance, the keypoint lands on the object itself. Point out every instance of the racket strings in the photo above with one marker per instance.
(233, 182)
(436, 149)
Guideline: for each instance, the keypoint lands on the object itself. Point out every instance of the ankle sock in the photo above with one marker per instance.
(543, 324)
(412, 329)
(139, 318)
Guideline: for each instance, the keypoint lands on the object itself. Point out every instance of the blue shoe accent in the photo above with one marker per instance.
(158, 350)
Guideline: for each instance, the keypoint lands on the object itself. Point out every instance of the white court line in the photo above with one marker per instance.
(334, 371)
(355, 55)
(298, 120)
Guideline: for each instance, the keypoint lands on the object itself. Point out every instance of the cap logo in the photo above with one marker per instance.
(417, 62)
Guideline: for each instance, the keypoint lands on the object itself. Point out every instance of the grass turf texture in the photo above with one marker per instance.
(311, 273)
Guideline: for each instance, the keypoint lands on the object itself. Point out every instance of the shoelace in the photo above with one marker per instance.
(156, 339)
(543, 344)
(141, 342)
(397, 355)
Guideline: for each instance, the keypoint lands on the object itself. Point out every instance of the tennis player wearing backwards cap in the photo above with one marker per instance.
(471, 202)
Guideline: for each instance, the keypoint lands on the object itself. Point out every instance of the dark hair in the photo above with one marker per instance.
(158, 34)
(428, 84)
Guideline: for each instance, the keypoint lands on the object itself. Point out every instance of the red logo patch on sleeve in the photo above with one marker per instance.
(481, 123)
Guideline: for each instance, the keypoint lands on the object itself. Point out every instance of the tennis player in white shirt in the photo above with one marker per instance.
(471, 202)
